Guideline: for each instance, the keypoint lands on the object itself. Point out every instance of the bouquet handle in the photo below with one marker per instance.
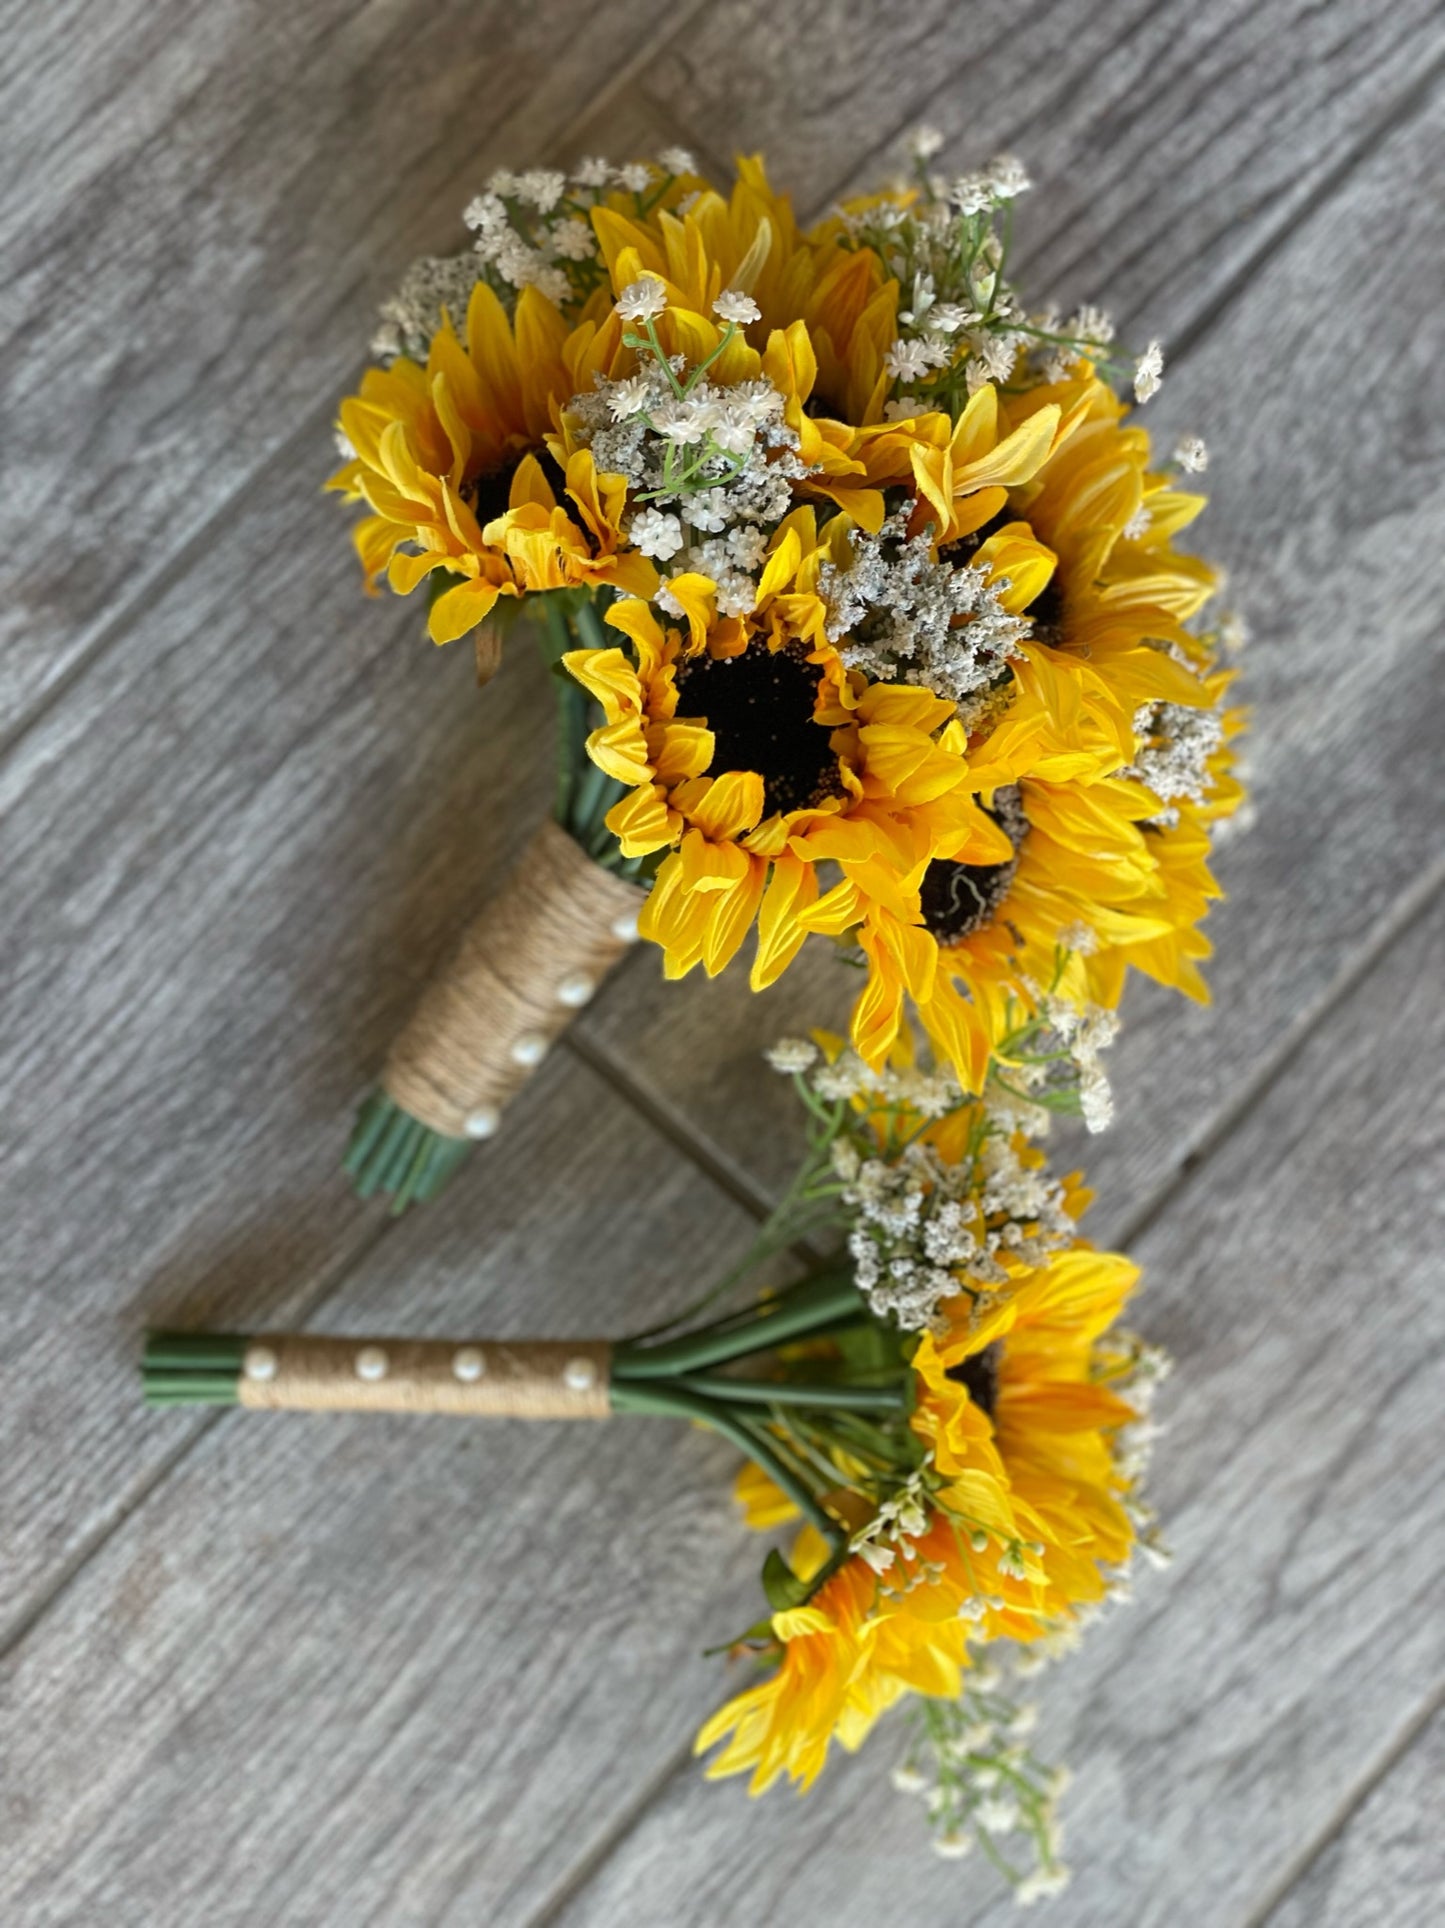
(525, 966)
(531, 958)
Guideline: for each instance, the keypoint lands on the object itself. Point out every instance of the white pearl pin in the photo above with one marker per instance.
(468, 1364)
(483, 1123)
(259, 1363)
(529, 1049)
(371, 1363)
(579, 1375)
(624, 927)
(575, 991)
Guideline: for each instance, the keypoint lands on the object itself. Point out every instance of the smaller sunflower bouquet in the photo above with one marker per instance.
(946, 1412)
(860, 585)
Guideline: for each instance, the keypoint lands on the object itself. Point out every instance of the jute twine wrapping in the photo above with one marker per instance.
(558, 926)
(522, 1379)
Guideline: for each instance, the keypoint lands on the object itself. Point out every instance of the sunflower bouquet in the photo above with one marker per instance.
(858, 582)
(944, 1408)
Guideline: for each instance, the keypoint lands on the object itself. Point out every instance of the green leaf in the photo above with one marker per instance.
(781, 1586)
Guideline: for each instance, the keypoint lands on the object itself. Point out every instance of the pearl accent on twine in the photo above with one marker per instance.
(575, 991)
(259, 1363)
(484, 1122)
(371, 1363)
(529, 1049)
(579, 1375)
(468, 1364)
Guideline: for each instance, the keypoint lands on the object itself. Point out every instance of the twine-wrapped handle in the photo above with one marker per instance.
(484, 1378)
(527, 963)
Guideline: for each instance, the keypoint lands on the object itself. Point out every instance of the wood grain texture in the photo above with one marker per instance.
(1385, 1870)
(228, 875)
(398, 1670)
(198, 222)
(1342, 587)
(254, 807)
(1163, 136)
(1222, 1718)
(226, 880)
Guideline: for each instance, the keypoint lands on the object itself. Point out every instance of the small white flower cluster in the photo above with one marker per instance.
(1082, 1035)
(710, 466)
(931, 1094)
(533, 229)
(962, 323)
(901, 617)
(411, 316)
(1149, 373)
(1176, 743)
(969, 1763)
(922, 1230)
(1135, 1370)
(1062, 340)
(890, 1536)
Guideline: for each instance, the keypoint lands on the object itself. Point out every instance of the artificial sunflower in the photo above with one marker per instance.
(1001, 1505)
(753, 756)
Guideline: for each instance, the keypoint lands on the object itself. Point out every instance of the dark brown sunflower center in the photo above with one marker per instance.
(489, 496)
(1046, 613)
(759, 707)
(978, 1375)
(959, 899)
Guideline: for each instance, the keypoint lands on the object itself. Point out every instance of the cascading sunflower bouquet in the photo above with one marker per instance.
(859, 583)
(948, 1411)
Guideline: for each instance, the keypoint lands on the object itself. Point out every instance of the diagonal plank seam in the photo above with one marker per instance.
(680, 1134)
(1407, 107)
(312, 428)
(1384, 1763)
(29, 1618)
(1409, 911)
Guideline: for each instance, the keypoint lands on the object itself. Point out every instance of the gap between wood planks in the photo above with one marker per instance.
(1387, 1761)
(311, 429)
(1409, 910)
(676, 1128)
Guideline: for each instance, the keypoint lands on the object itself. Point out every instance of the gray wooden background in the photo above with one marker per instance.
(384, 1672)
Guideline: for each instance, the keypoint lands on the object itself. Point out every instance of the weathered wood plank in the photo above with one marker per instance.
(1384, 1870)
(1342, 584)
(235, 850)
(225, 882)
(192, 1044)
(201, 210)
(1216, 1725)
(344, 1670)
(1153, 125)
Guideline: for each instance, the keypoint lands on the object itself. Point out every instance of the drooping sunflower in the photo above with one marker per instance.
(449, 460)
(1026, 1507)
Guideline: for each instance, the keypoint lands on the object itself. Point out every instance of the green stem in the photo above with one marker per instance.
(675, 1403)
(786, 1392)
(823, 1300)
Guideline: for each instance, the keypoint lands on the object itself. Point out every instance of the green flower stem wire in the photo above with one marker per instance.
(389, 1151)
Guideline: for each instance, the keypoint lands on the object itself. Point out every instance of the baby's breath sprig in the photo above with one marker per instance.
(709, 466)
(981, 1786)
(923, 1228)
(947, 242)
